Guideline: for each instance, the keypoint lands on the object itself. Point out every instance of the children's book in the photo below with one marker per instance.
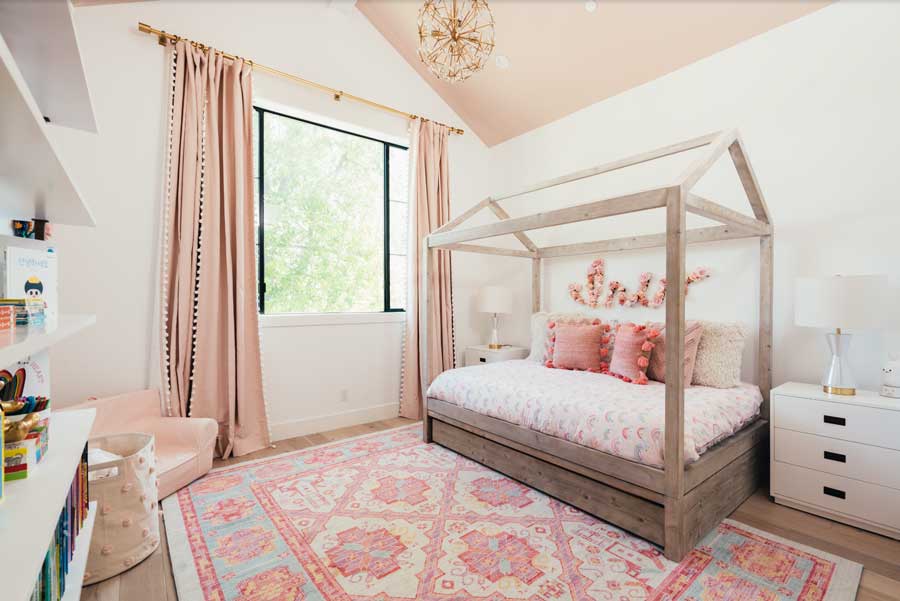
(32, 274)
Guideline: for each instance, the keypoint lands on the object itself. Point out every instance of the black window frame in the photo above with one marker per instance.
(261, 207)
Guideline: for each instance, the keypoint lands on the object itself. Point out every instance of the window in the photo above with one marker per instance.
(332, 222)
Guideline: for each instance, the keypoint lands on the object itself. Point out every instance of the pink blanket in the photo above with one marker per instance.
(595, 410)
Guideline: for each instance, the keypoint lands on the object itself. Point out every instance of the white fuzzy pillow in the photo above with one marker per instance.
(538, 336)
(719, 355)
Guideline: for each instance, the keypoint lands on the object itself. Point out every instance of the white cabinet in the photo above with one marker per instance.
(837, 456)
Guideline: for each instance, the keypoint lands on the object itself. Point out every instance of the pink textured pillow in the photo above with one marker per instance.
(577, 320)
(657, 368)
(631, 355)
(579, 347)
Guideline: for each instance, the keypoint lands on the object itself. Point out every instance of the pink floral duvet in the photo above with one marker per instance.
(596, 410)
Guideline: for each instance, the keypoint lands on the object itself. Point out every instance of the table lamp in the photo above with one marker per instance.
(854, 302)
(495, 300)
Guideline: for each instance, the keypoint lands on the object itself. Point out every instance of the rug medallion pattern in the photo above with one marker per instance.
(386, 517)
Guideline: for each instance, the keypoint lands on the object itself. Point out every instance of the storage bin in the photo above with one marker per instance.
(126, 530)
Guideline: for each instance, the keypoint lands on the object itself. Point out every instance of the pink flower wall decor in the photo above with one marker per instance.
(660, 297)
(614, 287)
(640, 297)
(618, 294)
(595, 276)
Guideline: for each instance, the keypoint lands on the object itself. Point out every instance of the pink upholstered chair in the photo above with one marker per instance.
(184, 446)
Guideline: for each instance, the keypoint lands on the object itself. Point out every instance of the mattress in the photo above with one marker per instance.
(595, 410)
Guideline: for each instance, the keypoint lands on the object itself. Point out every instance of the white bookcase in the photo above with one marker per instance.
(31, 509)
(35, 183)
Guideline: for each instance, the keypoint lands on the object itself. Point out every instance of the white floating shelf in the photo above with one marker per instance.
(42, 38)
(75, 578)
(25, 341)
(33, 181)
(31, 507)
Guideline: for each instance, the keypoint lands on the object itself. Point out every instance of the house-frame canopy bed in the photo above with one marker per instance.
(673, 506)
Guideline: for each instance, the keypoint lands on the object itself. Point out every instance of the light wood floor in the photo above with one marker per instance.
(152, 580)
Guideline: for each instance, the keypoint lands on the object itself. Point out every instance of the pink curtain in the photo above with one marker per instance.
(210, 332)
(432, 209)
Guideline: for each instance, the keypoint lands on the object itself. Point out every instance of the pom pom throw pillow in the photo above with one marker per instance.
(579, 347)
(631, 354)
(555, 320)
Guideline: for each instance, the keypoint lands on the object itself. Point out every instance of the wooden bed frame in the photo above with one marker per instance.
(675, 506)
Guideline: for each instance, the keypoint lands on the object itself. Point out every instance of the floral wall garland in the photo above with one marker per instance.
(618, 293)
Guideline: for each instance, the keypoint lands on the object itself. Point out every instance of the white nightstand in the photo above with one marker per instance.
(837, 456)
(483, 354)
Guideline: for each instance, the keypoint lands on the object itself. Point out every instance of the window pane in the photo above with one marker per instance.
(399, 176)
(398, 282)
(399, 212)
(324, 219)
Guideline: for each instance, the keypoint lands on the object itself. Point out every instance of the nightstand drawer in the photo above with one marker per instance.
(848, 497)
(839, 457)
(856, 423)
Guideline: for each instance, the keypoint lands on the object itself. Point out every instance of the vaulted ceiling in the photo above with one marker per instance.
(563, 58)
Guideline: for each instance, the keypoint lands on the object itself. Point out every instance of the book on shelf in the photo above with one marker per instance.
(50, 584)
(31, 274)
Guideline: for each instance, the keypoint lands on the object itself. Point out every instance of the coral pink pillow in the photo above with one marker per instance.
(579, 347)
(577, 320)
(657, 368)
(631, 355)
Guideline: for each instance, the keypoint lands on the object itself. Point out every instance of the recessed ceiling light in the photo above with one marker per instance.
(502, 61)
(590, 6)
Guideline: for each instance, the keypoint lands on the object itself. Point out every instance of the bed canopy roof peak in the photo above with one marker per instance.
(734, 223)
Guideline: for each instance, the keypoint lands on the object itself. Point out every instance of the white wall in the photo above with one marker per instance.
(317, 376)
(816, 103)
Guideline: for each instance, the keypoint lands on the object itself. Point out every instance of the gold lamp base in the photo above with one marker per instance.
(494, 347)
(839, 390)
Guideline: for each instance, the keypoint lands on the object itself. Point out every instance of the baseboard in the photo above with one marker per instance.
(332, 421)
(838, 517)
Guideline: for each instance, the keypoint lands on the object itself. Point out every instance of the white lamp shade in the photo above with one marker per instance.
(856, 302)
(495, 299)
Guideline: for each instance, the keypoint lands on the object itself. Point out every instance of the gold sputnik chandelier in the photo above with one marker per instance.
(456, 37)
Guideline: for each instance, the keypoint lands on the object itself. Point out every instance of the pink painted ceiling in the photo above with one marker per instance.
(563, 58)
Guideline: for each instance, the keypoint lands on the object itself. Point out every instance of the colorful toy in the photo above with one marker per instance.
(890, 377)
(37, 229)
(20, 456)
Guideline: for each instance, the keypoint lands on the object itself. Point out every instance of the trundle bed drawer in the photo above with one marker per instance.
(839, 457)
(856, 423)
(870, 502)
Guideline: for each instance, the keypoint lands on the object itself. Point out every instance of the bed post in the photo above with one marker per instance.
(766, 289)
(675, 535)
(535, 285)
(425, 291)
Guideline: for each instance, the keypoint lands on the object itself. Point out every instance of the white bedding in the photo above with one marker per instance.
(596, 410)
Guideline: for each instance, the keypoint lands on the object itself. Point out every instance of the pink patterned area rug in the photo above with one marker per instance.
(386, 517)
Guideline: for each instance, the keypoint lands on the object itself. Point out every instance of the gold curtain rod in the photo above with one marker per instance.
(163, 38)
